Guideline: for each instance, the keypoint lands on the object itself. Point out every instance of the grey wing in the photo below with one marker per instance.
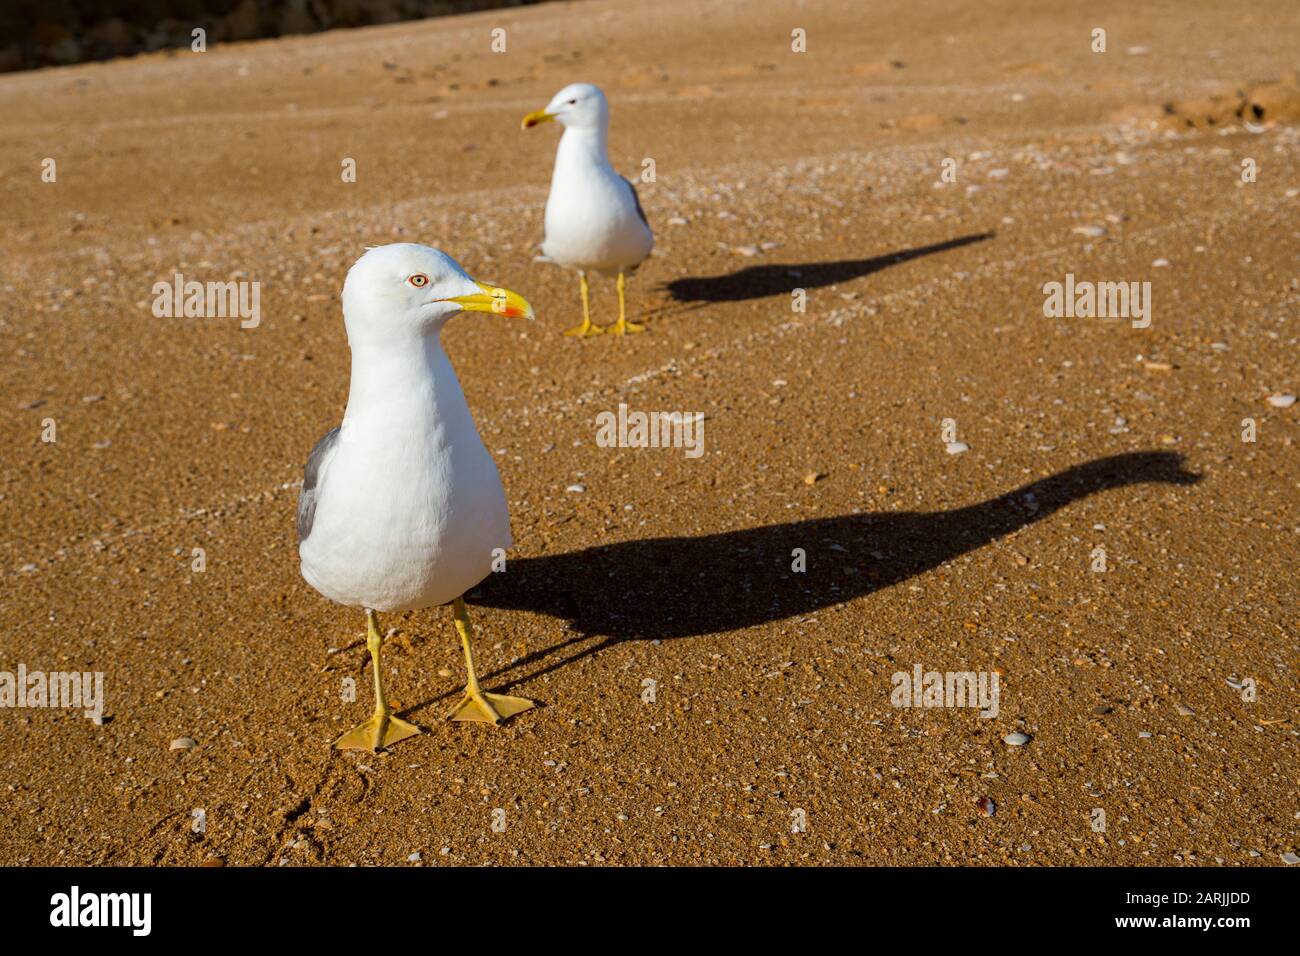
(636, 199)
(311, 475)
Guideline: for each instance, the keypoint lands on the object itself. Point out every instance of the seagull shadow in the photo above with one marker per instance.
(757, 282)
(664, 588)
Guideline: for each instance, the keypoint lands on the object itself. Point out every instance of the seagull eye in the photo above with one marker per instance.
(573, 102)
(419, 280)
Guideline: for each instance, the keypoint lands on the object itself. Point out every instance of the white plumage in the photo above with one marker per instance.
(408, 504)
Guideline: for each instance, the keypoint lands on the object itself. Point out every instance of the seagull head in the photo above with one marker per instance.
(395, 290)
(577, 106)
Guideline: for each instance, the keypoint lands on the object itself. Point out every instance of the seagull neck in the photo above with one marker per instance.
(583, 144)
(387, 374)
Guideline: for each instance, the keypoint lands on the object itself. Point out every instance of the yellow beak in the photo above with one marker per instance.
(534, 119)
(492, 299)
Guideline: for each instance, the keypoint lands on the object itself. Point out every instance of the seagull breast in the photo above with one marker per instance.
(594, 219)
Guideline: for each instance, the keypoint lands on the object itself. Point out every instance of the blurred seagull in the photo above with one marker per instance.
(401, 506)
(594, 219)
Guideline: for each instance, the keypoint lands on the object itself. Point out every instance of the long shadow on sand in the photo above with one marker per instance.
(683, 587)
(757, 282)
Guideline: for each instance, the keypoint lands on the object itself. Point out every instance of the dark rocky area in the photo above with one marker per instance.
(36, 33)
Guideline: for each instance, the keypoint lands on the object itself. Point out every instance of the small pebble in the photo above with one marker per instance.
(987, 805)
(414, 857)
(1290, 859)
(957, 447)
(576, 489)
(1016, 739)
(1281, 401)
(1092, 232)
(183, 743)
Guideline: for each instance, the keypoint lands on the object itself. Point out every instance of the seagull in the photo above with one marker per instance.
(401, 505)
(594, 219)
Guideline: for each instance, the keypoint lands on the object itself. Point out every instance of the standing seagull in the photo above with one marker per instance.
(594, 219)
(401, 505)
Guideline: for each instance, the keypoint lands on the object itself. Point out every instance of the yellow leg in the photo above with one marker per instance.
(623, 325)
(382, 729)
(581, 331)
(477, 703)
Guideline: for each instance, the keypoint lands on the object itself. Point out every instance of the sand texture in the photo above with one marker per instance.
(703, 702)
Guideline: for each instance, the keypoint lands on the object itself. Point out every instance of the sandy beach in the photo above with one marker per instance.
(1100, 512)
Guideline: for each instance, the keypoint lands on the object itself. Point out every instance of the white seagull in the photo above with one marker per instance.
(594, 219)
(401, 506)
